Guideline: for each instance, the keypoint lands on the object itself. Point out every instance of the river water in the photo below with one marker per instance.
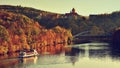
(87, 55)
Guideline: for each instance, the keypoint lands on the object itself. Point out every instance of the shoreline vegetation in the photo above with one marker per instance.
(18, 32)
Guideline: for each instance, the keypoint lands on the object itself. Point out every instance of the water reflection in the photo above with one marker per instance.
(73, 57)
(115, 55)
(99, 53)
(73, 52)
(29, 60)
(9, 63)
(92, 51)
(115, 46)
(115, 52)
(2, 57)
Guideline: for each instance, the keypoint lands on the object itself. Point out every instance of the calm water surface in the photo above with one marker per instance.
(88, 55)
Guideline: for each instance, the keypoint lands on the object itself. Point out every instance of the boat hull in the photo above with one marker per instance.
(26, 56)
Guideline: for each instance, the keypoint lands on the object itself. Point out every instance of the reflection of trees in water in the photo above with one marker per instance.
(110, 51)
(73, 52)
(89, 52)
(115, 46)
(29, 60)
(9, 63)
(2, 57)
(73, 55)
(24, 62)
(94, 51)
(98, 53)
(115, 52)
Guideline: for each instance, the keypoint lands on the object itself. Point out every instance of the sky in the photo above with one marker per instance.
(83, 7)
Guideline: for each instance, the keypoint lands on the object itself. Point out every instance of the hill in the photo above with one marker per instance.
(19, 32)
(102, 24)
(46, 19)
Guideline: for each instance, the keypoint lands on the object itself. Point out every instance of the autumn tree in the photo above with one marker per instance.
(4, 35)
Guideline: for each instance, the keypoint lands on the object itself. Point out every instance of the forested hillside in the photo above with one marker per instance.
(102, 24)
(19, 32)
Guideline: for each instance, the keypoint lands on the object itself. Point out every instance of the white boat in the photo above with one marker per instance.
(28, 54)
(32, 59)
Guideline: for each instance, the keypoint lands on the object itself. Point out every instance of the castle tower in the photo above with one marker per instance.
(73, 10)
(72, 14)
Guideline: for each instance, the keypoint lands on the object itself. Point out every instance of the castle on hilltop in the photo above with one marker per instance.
(72, 15)
(72, 12)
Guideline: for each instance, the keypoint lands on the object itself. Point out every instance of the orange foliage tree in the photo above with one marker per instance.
(18, 32)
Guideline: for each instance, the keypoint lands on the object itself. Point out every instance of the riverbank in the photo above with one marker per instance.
(51, 50)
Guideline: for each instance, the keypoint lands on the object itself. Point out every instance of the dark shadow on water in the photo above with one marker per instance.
(115, 50)
(73, 52)
(73, 55)
(115, 46)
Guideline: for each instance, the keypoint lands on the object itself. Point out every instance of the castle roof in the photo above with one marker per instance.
(72, 12)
